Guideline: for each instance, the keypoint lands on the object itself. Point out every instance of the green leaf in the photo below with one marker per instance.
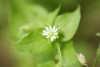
(26, 16)
(52, 16)
(69, 56)
(23, 59)
(39, 46)
(68, 23)
(47, 64)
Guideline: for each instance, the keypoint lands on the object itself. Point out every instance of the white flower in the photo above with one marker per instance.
(50, 32)
(82, 59)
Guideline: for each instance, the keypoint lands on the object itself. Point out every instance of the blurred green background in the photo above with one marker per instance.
(85, 40)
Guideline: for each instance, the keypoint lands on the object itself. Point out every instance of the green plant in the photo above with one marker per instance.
(34, 50)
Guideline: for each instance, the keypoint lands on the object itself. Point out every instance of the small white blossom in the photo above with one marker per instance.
(82, 59)
(50, 32)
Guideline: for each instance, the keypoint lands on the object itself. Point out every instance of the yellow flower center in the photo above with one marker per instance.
(52, 34)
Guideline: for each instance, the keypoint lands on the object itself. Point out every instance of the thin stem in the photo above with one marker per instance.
(96, 59)
(60, 57)
(59, 51)
(95, 62)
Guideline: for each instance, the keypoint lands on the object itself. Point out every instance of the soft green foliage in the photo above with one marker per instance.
(52, 16)
(32, 16)
(69, 56)
(38, 45)
(68, 23)
(27, 23)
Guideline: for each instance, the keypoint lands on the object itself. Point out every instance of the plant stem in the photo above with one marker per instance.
(95, 62)
(60, 57)
(96, 59)
(59, 51)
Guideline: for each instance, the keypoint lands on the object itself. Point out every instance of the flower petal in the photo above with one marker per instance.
(54, 29)
(47, 36)
(50, 28)
(56, 33)
(53, 38)
(47, 28)
(50, 32)
(44, 33)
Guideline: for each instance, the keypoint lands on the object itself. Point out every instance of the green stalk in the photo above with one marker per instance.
(95, 62)
(59, 64)
(96, 59)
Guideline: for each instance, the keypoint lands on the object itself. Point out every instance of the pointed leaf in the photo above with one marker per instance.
(68, 23)
(26, 16)
(52, 16)
(37, 45)
(69, 56)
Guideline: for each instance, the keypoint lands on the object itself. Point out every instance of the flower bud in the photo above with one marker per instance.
(82, 59)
